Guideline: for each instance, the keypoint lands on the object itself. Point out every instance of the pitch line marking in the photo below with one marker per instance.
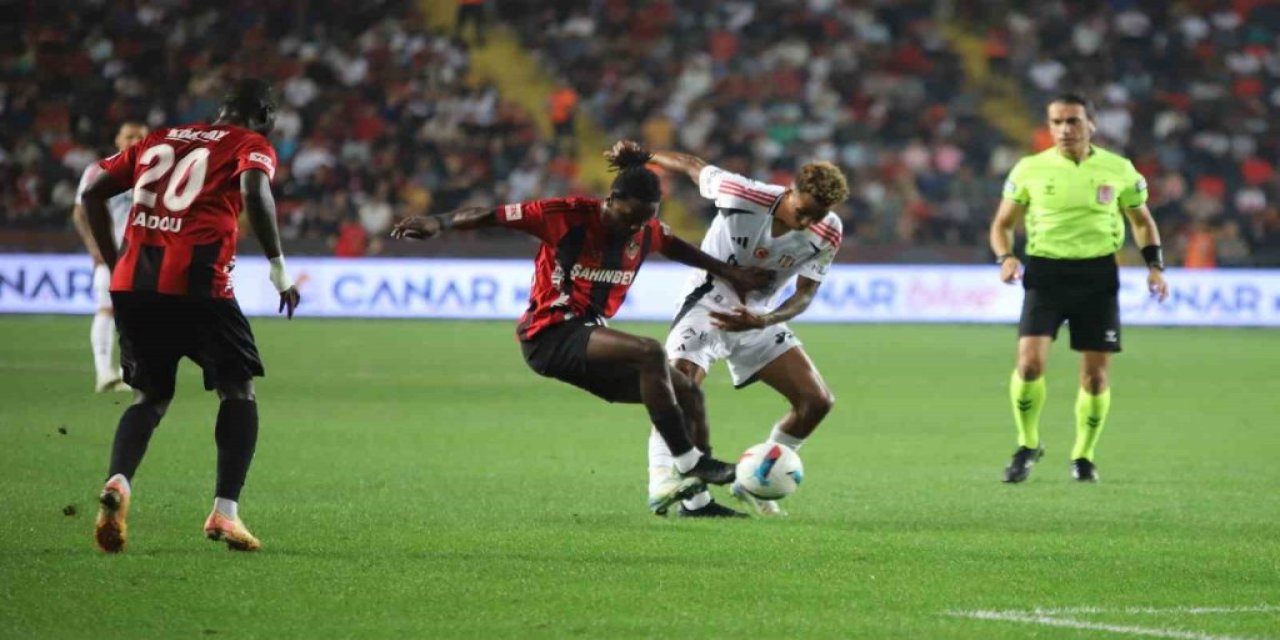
(1261, 608)
(1053, 617)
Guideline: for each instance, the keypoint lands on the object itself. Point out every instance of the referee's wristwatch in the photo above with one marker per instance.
(1000, 260)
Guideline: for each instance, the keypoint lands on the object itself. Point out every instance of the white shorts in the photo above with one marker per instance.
(695, 339)
(102, 286)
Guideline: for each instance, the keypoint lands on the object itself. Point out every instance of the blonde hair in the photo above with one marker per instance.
(824, 181)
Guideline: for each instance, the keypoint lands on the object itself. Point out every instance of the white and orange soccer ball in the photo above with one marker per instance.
(770, 471)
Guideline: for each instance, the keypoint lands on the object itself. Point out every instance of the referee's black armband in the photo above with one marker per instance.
(1154, 256)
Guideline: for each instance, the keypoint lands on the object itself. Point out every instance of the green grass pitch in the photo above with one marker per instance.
(416, 480)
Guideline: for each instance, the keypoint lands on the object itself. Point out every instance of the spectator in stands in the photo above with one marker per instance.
(367, 91)
(470, 12)
(351, 241)
(563, 109)
(376, 212)
(1199, 250)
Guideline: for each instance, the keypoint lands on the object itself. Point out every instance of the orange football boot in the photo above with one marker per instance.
(230, 530)
(110, 530)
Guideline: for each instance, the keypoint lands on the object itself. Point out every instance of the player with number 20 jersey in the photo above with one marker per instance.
(181, 234)
(171, 287)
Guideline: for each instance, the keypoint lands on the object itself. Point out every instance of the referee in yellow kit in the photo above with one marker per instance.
(1071, 197)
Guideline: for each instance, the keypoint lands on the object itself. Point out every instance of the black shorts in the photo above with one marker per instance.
(560, 352)
(157, 330)
(1083, 293)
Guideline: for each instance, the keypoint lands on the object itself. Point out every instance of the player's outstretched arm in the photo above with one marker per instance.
(742, 279)
(260, 206)
(689, 165)
(1008, 215)
(81, 221)
(98, 219)
(1147, 236)
(423, 227)
(741, 319)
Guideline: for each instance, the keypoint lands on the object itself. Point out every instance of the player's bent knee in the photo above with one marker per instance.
(155, 401)
(687, 392)
(1030, 369)
(652, 354)
(827, 402)
(815, 406)
(1094, 381)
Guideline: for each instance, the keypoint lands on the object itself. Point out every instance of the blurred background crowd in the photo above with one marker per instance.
(391, 108)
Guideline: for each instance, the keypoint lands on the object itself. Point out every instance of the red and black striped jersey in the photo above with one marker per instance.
(181, 235)
(581, 269)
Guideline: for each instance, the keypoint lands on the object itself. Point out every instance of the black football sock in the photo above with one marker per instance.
(132, 435)
(237, 435)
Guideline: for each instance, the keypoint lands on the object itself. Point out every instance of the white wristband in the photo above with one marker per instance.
(279, 278)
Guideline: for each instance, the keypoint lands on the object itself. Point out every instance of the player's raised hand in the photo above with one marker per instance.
(289, 300)
(417, 228)
(740, 319)
(1156, 285)
(748, 279)
(1010, 270)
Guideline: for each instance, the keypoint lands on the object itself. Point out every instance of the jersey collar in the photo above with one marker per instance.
(1093, 152)
(774, 209)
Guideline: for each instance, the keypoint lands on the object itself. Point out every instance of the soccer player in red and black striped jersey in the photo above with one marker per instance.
(171, 287)
(591, 250)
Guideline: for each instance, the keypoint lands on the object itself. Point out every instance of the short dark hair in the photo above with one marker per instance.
(1075, 98)
(131, 123)
(250, 98)
(634, 179)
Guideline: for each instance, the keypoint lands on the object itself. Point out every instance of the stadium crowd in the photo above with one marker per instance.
(380, 119)
(763, 87)
(377, 119)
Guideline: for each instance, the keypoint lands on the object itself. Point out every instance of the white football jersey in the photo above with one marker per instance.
(742, 234)
(118, 206)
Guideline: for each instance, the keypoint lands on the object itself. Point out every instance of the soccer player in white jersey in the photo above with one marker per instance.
(791, 231)
(102, 333)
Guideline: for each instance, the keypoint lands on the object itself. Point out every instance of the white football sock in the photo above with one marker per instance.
(785, 439)
(225, 507)
(658, 477)
(685, 461)
(659, 454)
(698, 501)
(123, 480)
(101, 333)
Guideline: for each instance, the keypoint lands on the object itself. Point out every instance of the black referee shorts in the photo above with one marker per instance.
(1082, 293)
(157, 330)
(560, 352)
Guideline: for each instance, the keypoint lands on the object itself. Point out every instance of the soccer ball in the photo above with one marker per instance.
(770, 471)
